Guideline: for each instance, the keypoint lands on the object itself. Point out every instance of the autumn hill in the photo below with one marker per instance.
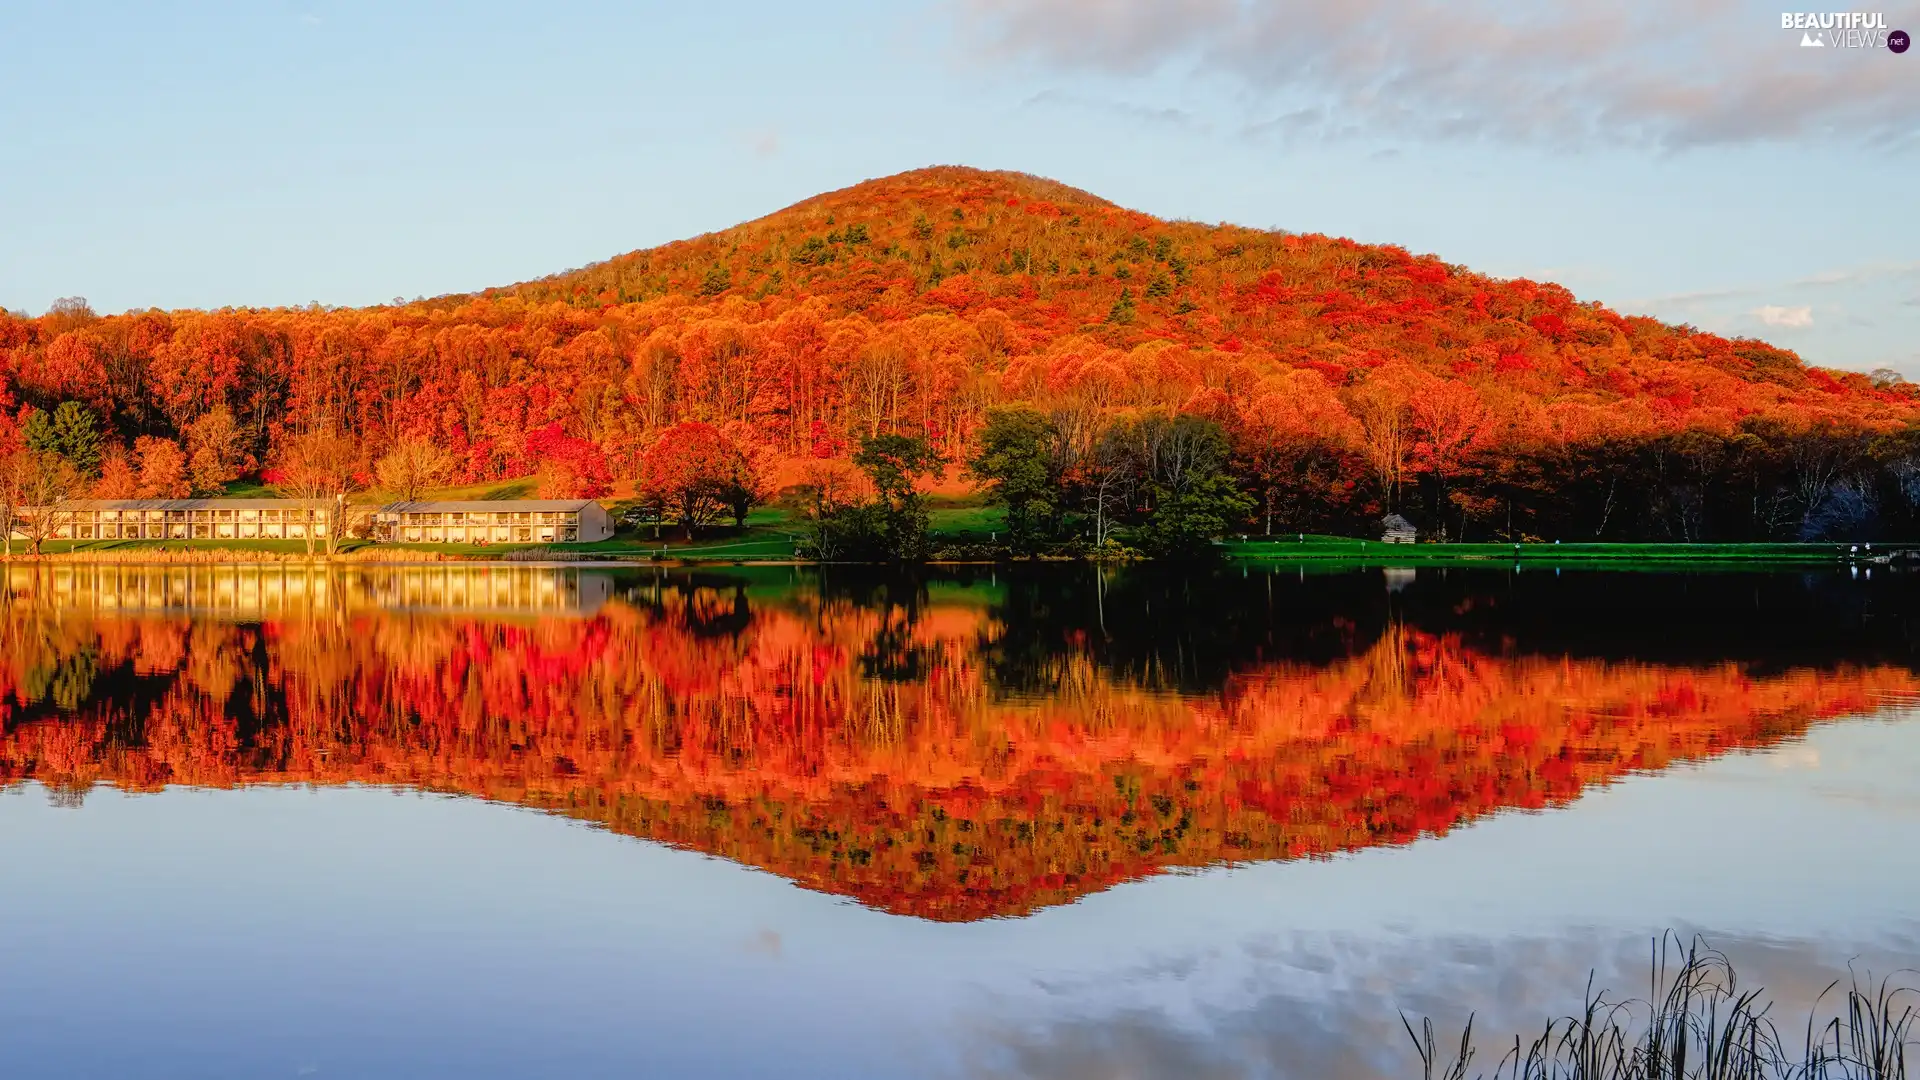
(1343, 379)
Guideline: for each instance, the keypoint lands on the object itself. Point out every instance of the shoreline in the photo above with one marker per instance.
(1354, 554)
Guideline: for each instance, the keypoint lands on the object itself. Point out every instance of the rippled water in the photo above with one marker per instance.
(493, 820)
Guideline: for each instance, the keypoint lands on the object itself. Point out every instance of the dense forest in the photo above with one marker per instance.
(949, 750)
(1254, 381)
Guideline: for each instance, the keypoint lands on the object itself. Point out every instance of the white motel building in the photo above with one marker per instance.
(522, 521)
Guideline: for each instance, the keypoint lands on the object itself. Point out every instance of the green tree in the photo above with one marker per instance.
(71, 431)
(1016, 462)
(1185, 523)
(1195, 499)
(895, 525)
(36, 432)
(893, 463)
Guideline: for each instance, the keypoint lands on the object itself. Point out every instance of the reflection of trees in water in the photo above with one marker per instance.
(1192, 631)
(940, 747)
(65, 684)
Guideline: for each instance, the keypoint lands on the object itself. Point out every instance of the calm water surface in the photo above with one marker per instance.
(510, 821)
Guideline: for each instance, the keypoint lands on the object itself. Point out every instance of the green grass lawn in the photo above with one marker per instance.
(770, 532)
(250, 488)
(522, 488)
(968, 524)
(1334, 548)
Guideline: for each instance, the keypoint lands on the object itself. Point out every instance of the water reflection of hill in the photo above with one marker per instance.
(971, 748)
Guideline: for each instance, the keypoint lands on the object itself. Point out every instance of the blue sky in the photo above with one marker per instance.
(1685, 159)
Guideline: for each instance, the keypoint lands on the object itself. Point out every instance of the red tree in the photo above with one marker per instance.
(569, 467)
(689, 471)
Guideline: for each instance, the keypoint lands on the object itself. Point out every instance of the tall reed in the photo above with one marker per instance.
(1697, 1023)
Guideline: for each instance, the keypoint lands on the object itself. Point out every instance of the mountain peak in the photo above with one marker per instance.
(961, 184)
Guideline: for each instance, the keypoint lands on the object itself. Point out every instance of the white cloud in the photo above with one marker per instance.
(1794, 317)
(1168, 117)
(1669, 74)
(1856, 274)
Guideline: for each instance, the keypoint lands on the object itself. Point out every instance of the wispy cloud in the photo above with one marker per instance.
(1796, 318)
(1693, 297)
(1842, 277)
(1126, 110)
(1857, 274)
(1671, 74)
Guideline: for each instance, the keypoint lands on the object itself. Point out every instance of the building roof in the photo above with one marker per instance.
(191, 504)
(512, 505)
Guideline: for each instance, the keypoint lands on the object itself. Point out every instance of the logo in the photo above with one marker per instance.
(1845, 30)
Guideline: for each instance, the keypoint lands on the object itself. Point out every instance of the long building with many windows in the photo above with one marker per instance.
(487, 521)
(191, 519)
(520, 521)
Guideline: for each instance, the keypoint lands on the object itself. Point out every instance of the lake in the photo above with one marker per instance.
(494, 820)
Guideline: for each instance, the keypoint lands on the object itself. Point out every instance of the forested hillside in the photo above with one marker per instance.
(1332, 381)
